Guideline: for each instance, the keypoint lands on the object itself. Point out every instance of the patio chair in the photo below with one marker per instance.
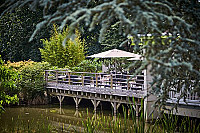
(87, 80)
(76, 80)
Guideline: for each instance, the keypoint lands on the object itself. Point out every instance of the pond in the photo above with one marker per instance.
(47, 118)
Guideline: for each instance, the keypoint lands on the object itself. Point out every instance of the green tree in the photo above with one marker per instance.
(15, 30)
(57, 54)
(91, 39)
(113, 39)
(8, 78)
(88, 66)
(176, 64)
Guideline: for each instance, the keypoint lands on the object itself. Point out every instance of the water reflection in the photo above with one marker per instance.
(77, 113)
(31, 118)
(61, 111)
(45, 118)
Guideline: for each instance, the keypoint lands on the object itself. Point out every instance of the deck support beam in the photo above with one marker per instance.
(115, 106)
(95, 103)
(60, 98)
(77, 101)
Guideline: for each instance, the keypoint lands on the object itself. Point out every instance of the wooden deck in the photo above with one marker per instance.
(191, 99)
(103, 94)
(114, 88)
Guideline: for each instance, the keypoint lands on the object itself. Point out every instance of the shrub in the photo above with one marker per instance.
(8, 79)
(32, 82)
(87, 66)
(57, 54)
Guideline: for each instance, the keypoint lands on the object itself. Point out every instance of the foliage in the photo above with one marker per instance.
(8, 78)
(172, 124)
(173, 65)
(114, 38)
(129, 123)
(56, 54)
(15, 31)
(18, 65)
(91, 39)
(87, 66)
(91, 124)
(32, 83)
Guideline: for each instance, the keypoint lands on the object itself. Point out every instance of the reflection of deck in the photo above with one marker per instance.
(114, 88)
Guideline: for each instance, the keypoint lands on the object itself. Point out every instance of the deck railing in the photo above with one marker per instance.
(190, 99)
(114, 81)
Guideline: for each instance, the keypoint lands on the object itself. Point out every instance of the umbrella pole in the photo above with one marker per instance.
(115, 67)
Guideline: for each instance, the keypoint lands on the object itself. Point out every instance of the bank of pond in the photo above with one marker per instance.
(50, 118)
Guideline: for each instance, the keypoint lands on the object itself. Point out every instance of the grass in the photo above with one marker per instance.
(168, 124)
(128, 123)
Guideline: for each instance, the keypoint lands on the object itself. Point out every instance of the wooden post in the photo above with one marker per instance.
(77, 101)
(95, 103)
(69, 78)
(60, 98)
(115, 107)
(56, 81)
(137, 109)
(56, 76)
(82, 79)
(96, 76)
(111, 81)
(128, 85)
(46, 77)
(128, 82)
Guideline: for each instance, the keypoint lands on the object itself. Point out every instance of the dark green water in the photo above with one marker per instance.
(44, 118)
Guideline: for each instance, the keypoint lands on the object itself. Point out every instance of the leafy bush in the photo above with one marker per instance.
(57, 54)
(32, 81)
(87, 66)
(18, 65)
(8, 79)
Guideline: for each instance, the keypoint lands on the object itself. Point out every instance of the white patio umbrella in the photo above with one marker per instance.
(138, 57)
(114, 53)
(134, 59)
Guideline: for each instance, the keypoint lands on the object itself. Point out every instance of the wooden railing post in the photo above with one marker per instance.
(82, 79)
(56, 76)
(46, 76)
(96, 76)
(111, 81)
(128, 85)
(69, 78)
